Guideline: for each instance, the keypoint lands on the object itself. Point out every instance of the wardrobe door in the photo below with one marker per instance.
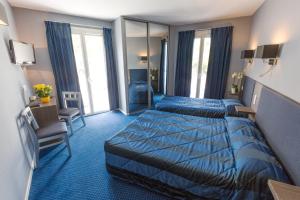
(158, 56)
(137, 65)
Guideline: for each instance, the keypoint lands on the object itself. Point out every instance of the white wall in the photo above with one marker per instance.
(277, 21)
(31, 28)
(121, 59)
(241, 34)
(14, 167)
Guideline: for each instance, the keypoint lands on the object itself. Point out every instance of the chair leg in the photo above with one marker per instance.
(68, 144)
(83, 120)
(70, 124)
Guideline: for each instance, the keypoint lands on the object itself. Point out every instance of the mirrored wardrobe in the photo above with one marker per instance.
(146, 61)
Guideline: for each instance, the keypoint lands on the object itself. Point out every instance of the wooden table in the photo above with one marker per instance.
(45, 113)
(283, 191)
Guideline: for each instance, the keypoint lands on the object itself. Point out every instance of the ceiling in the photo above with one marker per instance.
(165, 11)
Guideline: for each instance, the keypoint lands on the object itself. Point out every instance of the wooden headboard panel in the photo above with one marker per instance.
(278, 117)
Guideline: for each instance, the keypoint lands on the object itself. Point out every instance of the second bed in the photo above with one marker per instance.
(194, 157)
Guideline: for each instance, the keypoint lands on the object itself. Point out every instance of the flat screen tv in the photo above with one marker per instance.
(22, 53)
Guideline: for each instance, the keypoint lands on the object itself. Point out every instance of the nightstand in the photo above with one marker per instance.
(283, 191)
(246, 110)
(229, 95)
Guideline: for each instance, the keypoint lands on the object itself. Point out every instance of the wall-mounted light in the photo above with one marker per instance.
(248, 55)
(3, 17)
(268, 52)
(144, 59)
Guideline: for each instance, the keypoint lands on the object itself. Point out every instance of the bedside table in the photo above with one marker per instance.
(246, 110)
(283, 191)
(229, 95)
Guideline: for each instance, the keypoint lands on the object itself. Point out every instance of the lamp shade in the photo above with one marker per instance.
(3, 17)
(267, 51)
(247, 54)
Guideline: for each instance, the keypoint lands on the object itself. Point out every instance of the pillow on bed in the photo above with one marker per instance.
(255, 162)
(139, 82)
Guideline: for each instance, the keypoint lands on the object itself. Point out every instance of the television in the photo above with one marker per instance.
(22, 53)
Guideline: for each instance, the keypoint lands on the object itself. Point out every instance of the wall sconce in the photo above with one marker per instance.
(144, 59)
(3, 17)
(268, 52)
(248, 55)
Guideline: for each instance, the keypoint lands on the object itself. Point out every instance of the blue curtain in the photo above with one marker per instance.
(184, 63)
(111, 70)
(219, 61)
(162, 66)
(62, 57)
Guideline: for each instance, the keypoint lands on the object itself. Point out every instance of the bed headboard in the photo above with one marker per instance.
(279, 119)
(248, 88)
(138, 75)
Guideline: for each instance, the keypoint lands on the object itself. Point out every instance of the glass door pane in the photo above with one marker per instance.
(195, 67)
(89, 54)
(81, 71)
(158, 46)
(137, 64)
(200, 63)
(205, 59)
(97, 72)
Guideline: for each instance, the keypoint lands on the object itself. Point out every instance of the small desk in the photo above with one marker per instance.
(246, 110)
(45, 113)
(283, 191)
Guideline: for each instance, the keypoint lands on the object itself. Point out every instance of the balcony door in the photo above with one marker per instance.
(90, 59)
(200, 63)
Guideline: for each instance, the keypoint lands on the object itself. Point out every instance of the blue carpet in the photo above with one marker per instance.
(84, 176)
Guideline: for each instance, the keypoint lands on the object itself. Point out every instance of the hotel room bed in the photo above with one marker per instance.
(216, 108)
(194, 157)
(138, 89)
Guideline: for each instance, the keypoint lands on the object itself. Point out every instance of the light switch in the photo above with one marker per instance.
(254, 99)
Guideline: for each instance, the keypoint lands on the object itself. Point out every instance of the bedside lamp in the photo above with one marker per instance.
(3, 17)
(269, 52)
(248, 55)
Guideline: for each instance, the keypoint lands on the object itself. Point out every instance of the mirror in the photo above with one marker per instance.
(158, 46)
(137, 64)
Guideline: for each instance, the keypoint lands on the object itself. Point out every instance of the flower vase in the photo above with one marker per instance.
(45, 99)
(234, 90)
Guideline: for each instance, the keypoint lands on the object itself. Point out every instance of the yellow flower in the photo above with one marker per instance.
(39, 86)
(49, 86)
(234, 75)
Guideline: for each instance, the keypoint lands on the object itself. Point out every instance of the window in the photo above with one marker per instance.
(200, 63)
(90, 59)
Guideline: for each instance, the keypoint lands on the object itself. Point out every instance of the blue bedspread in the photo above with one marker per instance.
(198, 107)
(213, 158)
(138, 92)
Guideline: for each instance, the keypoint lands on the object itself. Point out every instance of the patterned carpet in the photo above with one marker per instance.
(83, 176)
